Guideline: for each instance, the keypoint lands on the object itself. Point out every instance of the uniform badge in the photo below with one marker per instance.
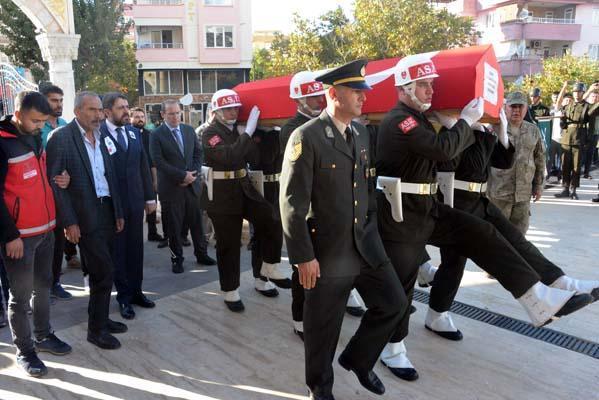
(407, 125)
(329, 131)
(110, 145)
(132, 135)
(295, 151)
(214, 140)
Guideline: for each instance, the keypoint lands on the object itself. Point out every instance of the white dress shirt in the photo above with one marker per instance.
(96, 160)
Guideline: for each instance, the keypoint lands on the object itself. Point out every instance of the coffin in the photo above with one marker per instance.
(464, 74)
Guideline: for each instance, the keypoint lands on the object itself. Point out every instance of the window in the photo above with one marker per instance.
(194, 81)
(218, 2)
(208, 81)
(595, 16)
(163, 82)
(153, 114)
(197, 113)
(565, 50)
(219, 36)
(549, 14)
(228, 79)
(569, 13)
(594, 51)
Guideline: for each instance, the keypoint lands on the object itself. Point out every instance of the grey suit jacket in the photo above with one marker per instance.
(171, 165)
(76, 204)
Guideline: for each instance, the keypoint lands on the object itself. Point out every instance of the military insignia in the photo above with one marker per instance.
(132, 135)
(214, 140)
(295, 151)
(407, 125)
(329, 131)
(363, 71)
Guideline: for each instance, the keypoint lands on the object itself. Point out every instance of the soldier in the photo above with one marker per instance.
(228, 148)
(329, 222)
(575, 123)
(510, 188)
(537, 108)
(308, 95)
(472, 168)
(409, 148)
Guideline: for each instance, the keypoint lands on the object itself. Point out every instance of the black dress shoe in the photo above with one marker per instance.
(206, 260)
(595, 199)
(154, 237)
(185, 242)
(178, 268)
(407, 374)
(162, 244)
(413, 309)
(321, 397)
(141, 300)
(235, 306)
(354, 311)
(300, 334)
(126, 310)
(269, 292)
(563, 194)
(282, 283)
(115, 327)
(595, 294)
(455, 336)
(367, 379)
(103, 340)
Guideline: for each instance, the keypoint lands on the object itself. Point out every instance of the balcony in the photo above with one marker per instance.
(158, 2)
(533, 28)
(150, 45)
(518, 66)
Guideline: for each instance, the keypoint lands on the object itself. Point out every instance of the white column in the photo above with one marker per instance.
(59, 50)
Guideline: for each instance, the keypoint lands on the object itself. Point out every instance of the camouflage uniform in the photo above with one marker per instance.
(510, 189)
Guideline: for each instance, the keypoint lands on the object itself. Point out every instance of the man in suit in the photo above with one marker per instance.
(90, 207)
(177, 155)
(135, 187)
(138, 120)
(329, 221)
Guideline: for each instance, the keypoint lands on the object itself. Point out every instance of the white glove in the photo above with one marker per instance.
(473, 111)
(502, 131)
(252, 121)
(445, 120)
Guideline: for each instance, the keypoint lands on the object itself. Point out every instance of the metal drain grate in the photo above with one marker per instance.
(546, 335)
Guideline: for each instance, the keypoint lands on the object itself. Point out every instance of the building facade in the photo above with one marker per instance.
(523, 33)
(189, 46)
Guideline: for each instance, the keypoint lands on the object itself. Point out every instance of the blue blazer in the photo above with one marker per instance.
(131, 169)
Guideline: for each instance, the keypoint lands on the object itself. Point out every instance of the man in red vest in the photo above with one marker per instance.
(27, 218)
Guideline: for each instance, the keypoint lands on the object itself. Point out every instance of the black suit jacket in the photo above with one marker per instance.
(76, 205)
(172, 165)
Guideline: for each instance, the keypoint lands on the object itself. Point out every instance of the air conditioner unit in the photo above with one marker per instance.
(535, 44)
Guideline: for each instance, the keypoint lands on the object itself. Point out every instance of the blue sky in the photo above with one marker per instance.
(276, 15)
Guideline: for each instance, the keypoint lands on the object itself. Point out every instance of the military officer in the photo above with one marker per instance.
(510, 188)
(228, 147)
(575, 122)
(409, 148)
(472, 168)
(308, 95)
(329, 222)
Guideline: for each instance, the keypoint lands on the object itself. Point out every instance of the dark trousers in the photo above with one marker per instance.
(324, 309)
(164, 217)
(271, 195)
(3, 285)
(227, 229)
(467, 235)
(589, 153)
(297, 297)
(451, 270)
(151, 221)
(571, 163)
(185, 210)
(128, 255)
(554, 162)
(61, 246)
(30, 275)
(97, 249)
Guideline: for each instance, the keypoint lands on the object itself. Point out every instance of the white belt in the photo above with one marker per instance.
(470, 186)
(272, 178)
(419, 188)
(237, 174)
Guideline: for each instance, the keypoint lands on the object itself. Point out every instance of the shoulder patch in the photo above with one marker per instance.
(407, 125)
(214, 140)
(294, 150)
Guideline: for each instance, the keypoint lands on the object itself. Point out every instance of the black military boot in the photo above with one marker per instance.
(574, 196)
(564, 194)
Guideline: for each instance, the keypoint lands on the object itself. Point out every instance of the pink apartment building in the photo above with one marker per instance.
(524, 32)
(189, 46)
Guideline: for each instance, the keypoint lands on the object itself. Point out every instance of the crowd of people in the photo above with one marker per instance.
(355, 203)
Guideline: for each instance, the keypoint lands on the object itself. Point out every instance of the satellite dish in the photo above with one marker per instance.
(186, 100)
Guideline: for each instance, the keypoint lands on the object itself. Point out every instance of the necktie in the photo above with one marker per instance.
(348, 136)
(120, 138)
(178, 139)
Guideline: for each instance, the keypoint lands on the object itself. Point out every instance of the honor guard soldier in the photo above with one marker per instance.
(329, 222)
(575, 122)
(409, 148)
(308, 94)
(227, 148)
(472, 169)
(537, 108)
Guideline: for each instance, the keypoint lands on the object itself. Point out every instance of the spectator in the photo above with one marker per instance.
(510, 189)
(27, 217)
(592, 97)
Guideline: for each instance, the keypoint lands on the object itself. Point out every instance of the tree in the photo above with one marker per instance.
(22, 48)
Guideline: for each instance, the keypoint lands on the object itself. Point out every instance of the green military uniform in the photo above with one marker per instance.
(329, 215)
(510, 189)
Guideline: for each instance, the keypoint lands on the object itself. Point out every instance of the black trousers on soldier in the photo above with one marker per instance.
(324, 309)
(571, 165)
(451, 270)
(227, 229)
(271, 194)
(467, 235)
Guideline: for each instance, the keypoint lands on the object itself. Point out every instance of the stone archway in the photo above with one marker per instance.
(58, 42)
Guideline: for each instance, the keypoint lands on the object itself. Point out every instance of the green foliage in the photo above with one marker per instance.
(380, 29)
(556, 71)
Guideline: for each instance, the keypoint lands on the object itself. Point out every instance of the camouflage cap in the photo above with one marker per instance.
(516, 98)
